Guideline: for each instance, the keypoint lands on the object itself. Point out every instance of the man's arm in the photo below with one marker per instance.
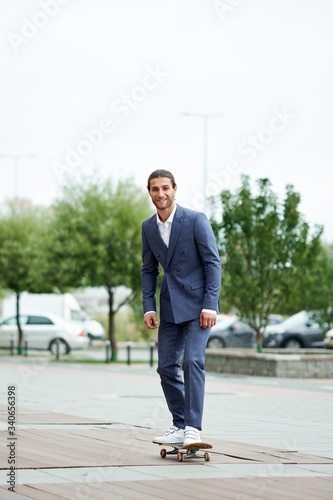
(149, 277)
(207, 248)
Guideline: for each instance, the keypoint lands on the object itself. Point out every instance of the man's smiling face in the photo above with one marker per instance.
(162, 193)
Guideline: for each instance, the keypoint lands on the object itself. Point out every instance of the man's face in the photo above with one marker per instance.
(162, 193)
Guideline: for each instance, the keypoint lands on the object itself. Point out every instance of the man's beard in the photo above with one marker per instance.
(169, 203)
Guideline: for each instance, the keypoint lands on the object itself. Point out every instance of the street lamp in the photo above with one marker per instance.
(205, 117)
(16, 158)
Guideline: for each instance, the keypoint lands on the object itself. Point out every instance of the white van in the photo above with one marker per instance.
(63, 305)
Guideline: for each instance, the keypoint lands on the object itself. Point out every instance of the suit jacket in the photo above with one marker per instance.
(191, 263)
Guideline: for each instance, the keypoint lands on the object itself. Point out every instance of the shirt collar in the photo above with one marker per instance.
(169, 219)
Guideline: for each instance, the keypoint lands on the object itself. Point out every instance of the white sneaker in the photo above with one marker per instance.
(174, 435)
(191, 435)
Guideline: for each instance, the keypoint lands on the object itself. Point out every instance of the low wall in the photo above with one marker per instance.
(269, 365)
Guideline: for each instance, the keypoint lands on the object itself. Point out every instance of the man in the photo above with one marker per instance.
(182, 241)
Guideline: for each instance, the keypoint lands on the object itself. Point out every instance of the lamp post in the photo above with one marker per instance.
(205, 117)
(16, 158)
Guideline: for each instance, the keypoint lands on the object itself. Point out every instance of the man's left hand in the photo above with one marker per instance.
(207, 320)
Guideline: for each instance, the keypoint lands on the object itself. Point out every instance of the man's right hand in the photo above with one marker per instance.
(150, 320)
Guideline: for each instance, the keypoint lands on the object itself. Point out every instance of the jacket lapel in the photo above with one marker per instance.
(156, 240)
(175, 232)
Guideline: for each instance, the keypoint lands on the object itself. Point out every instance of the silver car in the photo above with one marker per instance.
(296, 332)
(42, 331)
(229, 331)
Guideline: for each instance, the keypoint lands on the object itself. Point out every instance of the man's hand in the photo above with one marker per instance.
(150, 320)
(207, 320)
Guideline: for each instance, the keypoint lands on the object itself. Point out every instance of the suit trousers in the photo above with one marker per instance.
(184, 395)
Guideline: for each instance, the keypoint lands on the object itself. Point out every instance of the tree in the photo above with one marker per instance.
(316, 288)
(23, 264)
(97, 239)
(266, 249)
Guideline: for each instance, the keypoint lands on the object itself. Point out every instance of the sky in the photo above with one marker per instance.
(102, 87)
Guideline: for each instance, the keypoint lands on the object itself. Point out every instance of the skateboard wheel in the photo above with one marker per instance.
(163, 453)
(207, 456)
(180, 457)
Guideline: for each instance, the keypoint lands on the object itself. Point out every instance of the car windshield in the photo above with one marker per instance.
(297, 319)
(13, 321)
(77, 315)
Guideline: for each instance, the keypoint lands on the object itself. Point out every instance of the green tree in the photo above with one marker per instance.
(23, 263)
(315, 289)
(265, 248)
(97, 239)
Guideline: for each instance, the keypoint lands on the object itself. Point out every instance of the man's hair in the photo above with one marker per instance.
(161, 173)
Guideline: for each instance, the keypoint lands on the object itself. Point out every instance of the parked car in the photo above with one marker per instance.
(275, 319)
(300, 330)
(229, 331)
(42, 331)
(328, 340)
(64, 306)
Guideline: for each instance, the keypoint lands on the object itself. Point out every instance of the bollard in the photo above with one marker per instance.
(152, 343)
(107, 351)
(26, 347)
(57, 349)
(12, 346)
(128, 352)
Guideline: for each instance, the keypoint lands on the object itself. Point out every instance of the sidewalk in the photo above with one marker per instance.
(84, 431)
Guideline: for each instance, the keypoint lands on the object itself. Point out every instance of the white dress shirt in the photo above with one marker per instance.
(165, 227)
(165, 231)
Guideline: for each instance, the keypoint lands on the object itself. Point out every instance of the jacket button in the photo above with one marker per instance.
(168, 270)
(178, 269)
(182, 286)
(157, 254)
(182, 252)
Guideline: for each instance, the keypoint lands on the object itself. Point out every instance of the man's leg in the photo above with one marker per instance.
(194, 372)
(171, 341)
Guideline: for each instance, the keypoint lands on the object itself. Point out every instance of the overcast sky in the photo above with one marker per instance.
(102, 84)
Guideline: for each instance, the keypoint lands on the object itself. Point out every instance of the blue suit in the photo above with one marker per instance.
(191, 282)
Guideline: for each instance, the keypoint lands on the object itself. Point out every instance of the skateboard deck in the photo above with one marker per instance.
(185, 452)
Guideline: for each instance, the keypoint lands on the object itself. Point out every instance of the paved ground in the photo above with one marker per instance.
(84, 432)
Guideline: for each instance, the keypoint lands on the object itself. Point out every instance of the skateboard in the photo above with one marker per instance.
(186, 452)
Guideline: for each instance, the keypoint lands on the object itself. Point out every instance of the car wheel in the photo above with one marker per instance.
(63, 346)
(215, 343)
(293, 344)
